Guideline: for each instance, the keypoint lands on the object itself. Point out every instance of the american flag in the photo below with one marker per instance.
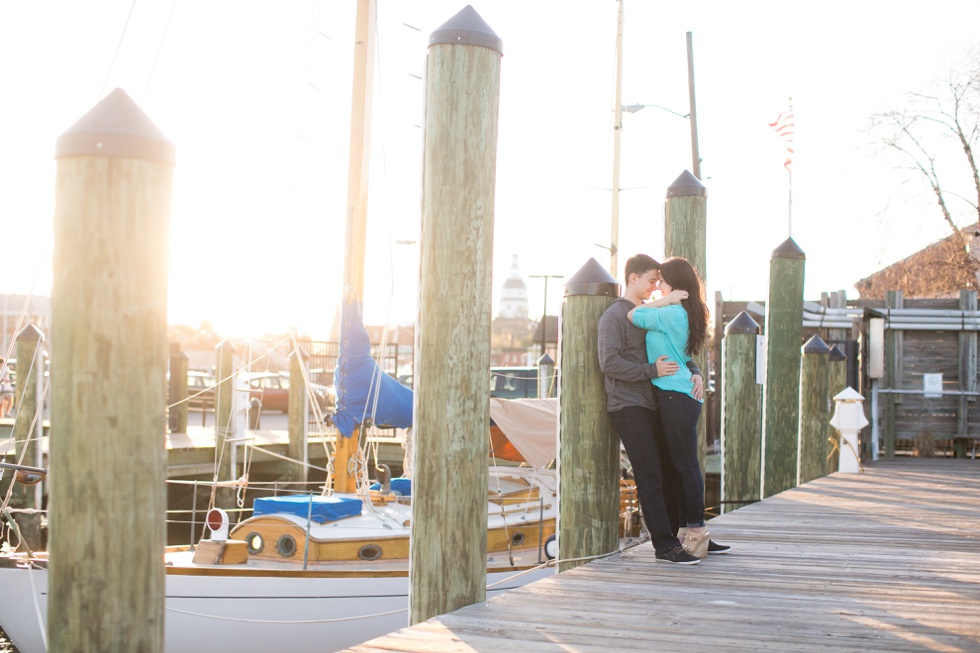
(784, 125)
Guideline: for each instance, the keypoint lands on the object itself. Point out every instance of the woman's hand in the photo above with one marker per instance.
(666, 367)
(698, 392)
(676, 296)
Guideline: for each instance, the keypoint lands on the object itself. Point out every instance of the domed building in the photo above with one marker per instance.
(513, 299)
(512, 331)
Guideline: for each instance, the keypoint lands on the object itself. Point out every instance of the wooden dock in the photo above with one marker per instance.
(886, 560)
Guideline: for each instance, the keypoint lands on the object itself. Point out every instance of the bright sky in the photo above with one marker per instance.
(256, 97)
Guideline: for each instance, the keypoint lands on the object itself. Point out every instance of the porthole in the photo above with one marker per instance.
(286, 546)
(255, 542)
(369, 552)
(517, 539)
(551, 547)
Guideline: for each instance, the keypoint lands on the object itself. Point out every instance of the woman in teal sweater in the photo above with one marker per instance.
(679, 331)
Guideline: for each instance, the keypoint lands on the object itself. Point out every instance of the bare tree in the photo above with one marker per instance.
(920, 134)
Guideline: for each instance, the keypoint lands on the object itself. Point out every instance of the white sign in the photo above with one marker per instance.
(876, 348)
(760, 360)
(932, 385)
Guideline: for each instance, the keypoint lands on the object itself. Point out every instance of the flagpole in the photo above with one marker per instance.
(790, 171)
(790, 212)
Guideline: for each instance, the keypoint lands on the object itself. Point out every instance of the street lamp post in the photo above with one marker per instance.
(544, 314)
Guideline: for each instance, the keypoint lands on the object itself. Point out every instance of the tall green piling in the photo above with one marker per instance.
(836, 382)
(741, 415)
(588, 447)
(452, 412)
(815, 410)
(108, 377)
(177, 411)
(685, 233)
(781, 392)
(299, 417)
(225, 446)
(28, 427)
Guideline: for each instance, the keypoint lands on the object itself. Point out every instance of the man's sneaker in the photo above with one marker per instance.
(714, 547)
(677, 556)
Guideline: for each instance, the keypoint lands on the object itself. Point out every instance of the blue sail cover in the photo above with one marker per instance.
(353, 376)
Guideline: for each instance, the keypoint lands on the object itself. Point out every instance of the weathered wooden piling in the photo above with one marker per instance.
(27, 431)
(781, 392)
(588, 447)
(177, 412)
(225, 449)
(452, 410)
(836, 382)
(968, 375)
(108, 380)
(893, 376)
(741, 416)
(815, 411)
(299, 416)
(685, 232)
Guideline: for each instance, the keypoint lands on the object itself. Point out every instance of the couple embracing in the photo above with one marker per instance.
(654, 393)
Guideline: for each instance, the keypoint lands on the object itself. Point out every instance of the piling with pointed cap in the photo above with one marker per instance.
(177, 395)
(108, 378)
(781, 392)
(685, 220)
(836, 382)
(815, 411)
(299, 416)
(452, 414)
(588, 447)
(225, 448)
(27, 430)
(741, 418)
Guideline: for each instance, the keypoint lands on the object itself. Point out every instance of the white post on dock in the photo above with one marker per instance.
(108, 377)
(452, 410)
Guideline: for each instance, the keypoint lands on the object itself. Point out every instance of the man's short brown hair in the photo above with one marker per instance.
(640, 264)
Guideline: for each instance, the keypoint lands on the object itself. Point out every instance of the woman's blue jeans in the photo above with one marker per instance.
(679, 413)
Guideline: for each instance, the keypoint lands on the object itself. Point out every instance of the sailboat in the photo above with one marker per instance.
(328, 571)
(324, 572)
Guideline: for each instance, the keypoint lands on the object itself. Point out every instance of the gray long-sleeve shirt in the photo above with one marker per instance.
(623, 360)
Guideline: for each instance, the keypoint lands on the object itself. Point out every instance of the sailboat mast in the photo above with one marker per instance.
(617, 132)
(357, 196)
(360, 148)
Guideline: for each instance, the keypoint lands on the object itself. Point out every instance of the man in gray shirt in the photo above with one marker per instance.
(633, 410)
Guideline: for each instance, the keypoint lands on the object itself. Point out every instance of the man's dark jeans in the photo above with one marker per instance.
(679, 413)
(643, 436)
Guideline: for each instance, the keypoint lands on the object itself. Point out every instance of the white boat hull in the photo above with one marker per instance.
(234, 613)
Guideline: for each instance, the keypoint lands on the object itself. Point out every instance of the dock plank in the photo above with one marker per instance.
(886, 560)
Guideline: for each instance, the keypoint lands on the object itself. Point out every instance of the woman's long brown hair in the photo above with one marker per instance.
(681, 275)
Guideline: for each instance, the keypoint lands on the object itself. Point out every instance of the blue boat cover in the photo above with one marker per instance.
(324, 508)
(358, 380)
(400, 486)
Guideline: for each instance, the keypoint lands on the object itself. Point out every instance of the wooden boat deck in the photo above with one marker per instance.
(886, 560)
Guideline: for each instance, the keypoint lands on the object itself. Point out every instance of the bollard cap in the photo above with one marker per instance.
(116, 127)
(30, 333)
(226, 345)
(467, 28)
(743, 323)
(687, 185)
(815, 345)
(592, 279)
(848, 394)
(836, 354)
(546, 360)
(789, 249)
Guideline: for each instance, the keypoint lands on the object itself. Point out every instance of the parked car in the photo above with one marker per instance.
(272, 389)
(200, 390)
